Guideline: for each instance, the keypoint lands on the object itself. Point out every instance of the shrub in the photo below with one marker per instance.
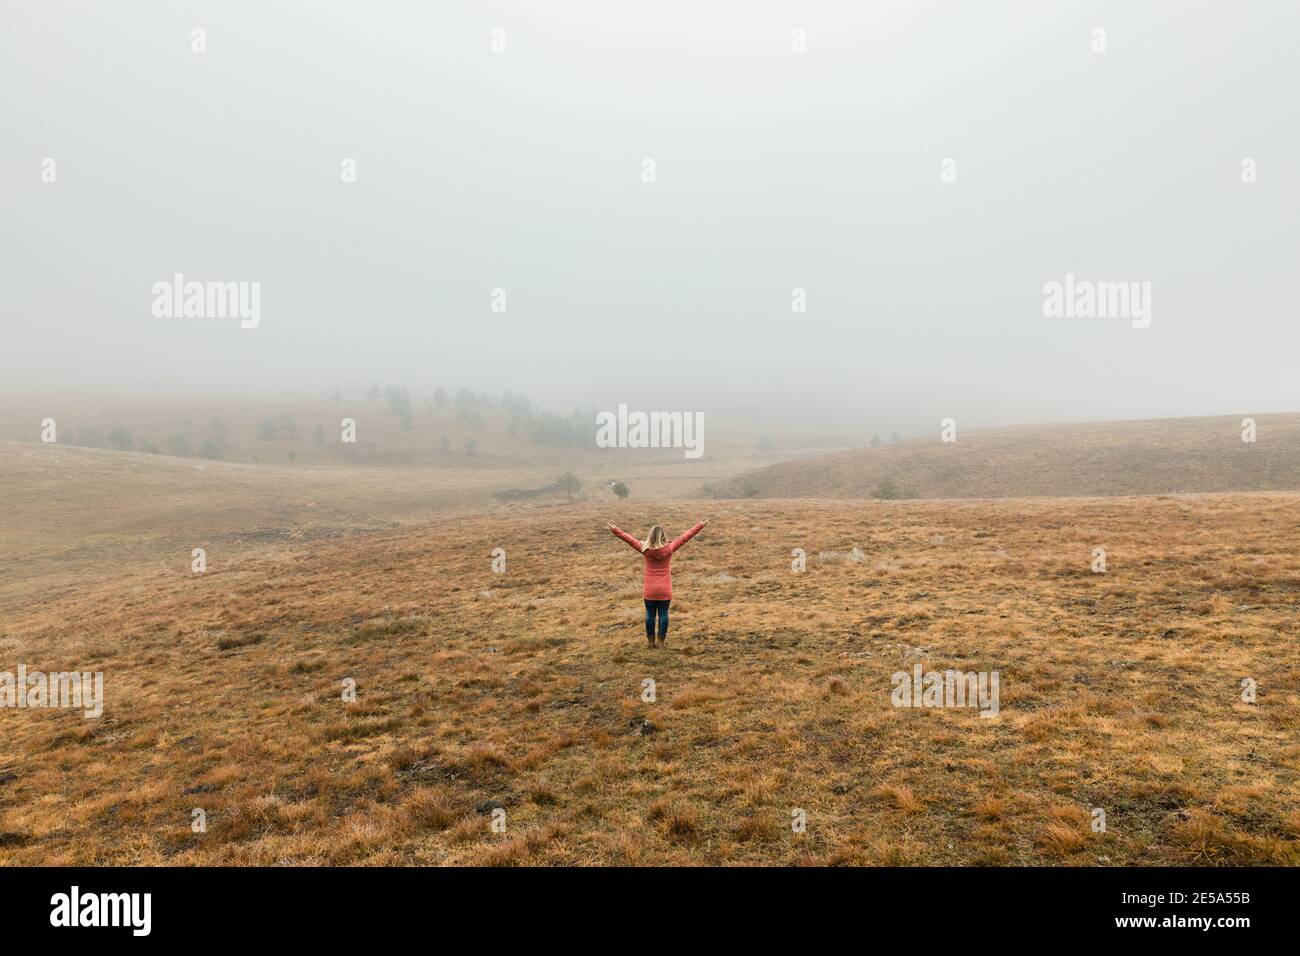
(570, 483)
(888, 490)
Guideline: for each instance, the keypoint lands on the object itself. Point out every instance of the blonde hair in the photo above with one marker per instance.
(655, 538)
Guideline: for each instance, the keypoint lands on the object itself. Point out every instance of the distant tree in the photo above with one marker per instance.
(373, 393)
(267, 430)
(517, 405)
(896, 437)
(178, 444)
(120, 439)
(287, 426)
(149, 448)
(440, 396)
(445, 444)
(620, 489)
(292, 457)
(210, 448)
(399, 400)
(471, 446)
(467, 407)
(709, 490)
(570, 483)
(875, 441)
(576, 431)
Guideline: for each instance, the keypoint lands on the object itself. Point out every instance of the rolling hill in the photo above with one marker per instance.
(1162, 456)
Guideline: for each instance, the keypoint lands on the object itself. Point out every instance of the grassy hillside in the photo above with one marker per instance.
(295, 429)
(285, 429)
(524, 691)
(1113, 458)
(74, 512)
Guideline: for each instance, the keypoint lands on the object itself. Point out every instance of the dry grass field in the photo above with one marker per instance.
(523, 691)
(75, 514)
(1159, 456)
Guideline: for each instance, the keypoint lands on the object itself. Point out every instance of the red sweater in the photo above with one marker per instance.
(658, 584)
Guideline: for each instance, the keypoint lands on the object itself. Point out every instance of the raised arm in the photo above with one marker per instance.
(631, 541)
(678, 542)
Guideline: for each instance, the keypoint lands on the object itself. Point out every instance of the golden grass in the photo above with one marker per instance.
(1067, 460)
(1119, 691)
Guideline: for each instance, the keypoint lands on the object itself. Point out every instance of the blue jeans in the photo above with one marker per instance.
(661, 609)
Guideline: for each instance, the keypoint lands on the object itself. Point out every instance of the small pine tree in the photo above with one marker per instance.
(620, 489)
(399, 400)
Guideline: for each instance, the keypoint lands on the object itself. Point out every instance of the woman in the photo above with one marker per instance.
(658, 586)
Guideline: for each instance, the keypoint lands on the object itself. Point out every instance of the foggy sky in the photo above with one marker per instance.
(522, 170)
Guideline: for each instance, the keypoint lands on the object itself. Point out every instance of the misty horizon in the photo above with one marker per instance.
(902, 175)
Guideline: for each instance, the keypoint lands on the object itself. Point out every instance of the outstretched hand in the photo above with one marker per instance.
(609, 527)
(704, 522)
